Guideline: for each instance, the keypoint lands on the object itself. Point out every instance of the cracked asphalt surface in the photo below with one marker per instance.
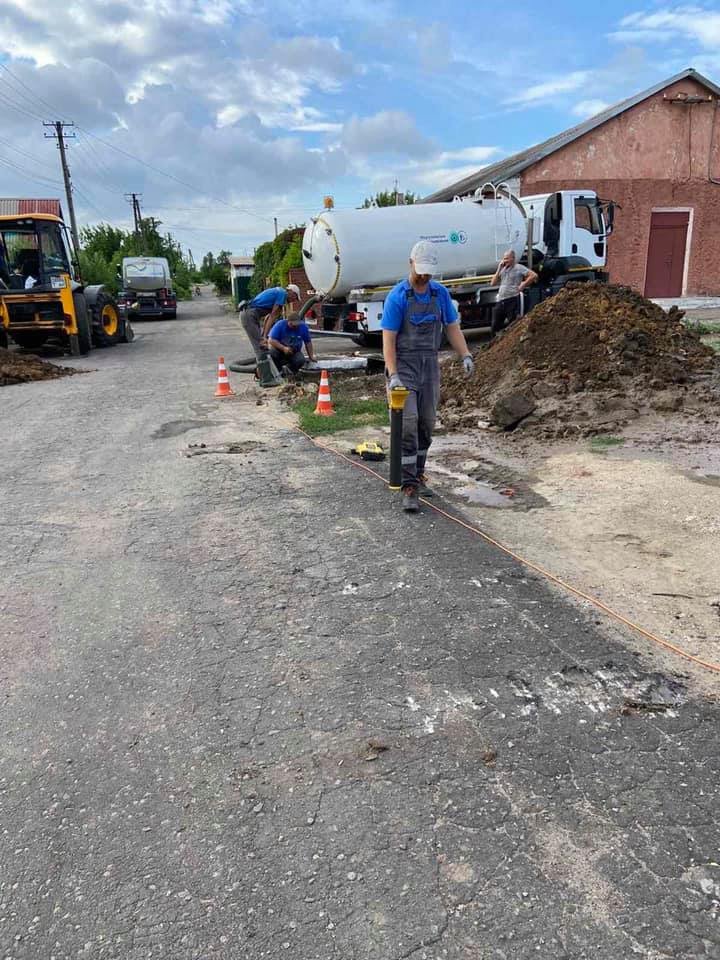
(250, 710)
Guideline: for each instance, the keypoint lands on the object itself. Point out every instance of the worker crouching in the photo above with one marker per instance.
(286, 340)
(417, 312)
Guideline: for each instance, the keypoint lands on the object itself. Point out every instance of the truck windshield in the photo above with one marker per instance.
(31, 251)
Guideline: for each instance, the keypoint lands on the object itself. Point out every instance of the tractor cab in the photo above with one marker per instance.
(33, 253)
(42, 298)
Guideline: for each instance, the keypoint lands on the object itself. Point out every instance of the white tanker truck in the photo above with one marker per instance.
(353, 257)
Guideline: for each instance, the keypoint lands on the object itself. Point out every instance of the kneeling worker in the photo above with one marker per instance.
(266, 304)
(416, 314)
(286, 340)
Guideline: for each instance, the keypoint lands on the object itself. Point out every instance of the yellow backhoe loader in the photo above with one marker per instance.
(42, 297)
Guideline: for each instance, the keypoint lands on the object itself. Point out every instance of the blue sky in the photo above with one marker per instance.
(227, 113)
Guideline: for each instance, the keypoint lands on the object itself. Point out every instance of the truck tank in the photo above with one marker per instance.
(348, 249)
(145, 273)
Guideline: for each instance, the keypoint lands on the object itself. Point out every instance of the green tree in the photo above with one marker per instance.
(388, 198)
(274, 259)
(103, 249)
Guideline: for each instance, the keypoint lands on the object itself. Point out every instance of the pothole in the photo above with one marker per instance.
(233, 447)
(175, 428)
(600, 691)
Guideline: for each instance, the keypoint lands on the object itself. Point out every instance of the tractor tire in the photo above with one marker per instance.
(82, 316)
(3, 338)
(107, 325)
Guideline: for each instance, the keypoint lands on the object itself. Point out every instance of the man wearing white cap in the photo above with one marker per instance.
(416, 313)
(268, 303)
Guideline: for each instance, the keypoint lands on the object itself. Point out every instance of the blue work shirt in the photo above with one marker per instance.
(269, 298)
(396, 302)
(289, 336)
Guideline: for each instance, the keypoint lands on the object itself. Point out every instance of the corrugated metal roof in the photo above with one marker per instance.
(241, 262)
(512, 166)
(23, 206)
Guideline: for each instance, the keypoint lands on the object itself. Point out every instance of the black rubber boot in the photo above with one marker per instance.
(410, 500)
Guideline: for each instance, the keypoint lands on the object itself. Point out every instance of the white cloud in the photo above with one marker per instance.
(551, 88)
(429, 174)
(691, 22)
(588, 108)
(479, 155)
(390, 131)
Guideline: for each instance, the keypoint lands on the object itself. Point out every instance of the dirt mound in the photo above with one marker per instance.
(20, 368)
(592, 356)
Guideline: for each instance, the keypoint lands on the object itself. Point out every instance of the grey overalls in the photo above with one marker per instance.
(417, 347)
(251, 319)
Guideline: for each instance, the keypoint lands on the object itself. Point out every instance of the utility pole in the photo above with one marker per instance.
(191, 259)
(134, 199)
(275, 219)
(61, 137)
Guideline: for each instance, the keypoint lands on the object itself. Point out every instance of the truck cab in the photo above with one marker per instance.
(568, 223)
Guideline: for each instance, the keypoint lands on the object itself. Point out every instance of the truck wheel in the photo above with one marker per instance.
(107, 326)
(82, 317)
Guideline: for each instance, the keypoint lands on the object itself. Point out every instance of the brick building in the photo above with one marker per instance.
(657, 155)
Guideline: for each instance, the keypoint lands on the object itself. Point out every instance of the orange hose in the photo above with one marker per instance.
(706, 664)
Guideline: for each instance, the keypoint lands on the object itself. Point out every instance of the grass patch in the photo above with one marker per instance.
(713, 342)
(703, 327)
(605, 442)
(348, 414)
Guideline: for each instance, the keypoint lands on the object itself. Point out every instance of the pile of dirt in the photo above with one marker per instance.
(592, 357)
(21, 368)
(354, 387)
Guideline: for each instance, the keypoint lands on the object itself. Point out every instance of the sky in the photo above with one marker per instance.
(226, 114)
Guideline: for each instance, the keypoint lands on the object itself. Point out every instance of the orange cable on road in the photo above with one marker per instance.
(706, 664)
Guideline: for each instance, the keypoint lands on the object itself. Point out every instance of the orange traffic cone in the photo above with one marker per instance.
(324, 407)
(223, 385)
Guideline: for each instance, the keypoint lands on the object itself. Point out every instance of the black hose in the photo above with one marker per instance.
(309, 304)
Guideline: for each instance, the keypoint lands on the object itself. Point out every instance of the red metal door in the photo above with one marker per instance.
(666, 254)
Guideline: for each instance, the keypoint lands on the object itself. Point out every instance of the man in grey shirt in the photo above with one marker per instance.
(513, 277)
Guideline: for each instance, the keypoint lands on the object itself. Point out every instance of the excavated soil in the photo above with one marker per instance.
(592, 357)
(19, 368)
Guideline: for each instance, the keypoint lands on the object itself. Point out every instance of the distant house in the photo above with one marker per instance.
(241, 271)
(657, 155)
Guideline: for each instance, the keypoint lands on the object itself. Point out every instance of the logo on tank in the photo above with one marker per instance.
(458, 236)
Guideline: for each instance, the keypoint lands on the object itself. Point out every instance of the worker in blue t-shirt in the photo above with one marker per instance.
(286, 340)
(268, 305)
(416, 314)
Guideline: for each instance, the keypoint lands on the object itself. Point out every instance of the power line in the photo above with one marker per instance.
(21, 99)
(53, 110)
(26, 155)
(19, 110)
(34, 178)
(171, 176)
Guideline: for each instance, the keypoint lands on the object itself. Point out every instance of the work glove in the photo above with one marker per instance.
(468, 365)
(394, 382)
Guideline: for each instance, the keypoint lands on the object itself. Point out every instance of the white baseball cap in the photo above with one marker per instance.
(424, 258)
(294, 288)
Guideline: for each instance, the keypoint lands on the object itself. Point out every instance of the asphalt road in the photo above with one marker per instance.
(250, 710)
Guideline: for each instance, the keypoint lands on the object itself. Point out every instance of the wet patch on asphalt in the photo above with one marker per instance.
(175, 428)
